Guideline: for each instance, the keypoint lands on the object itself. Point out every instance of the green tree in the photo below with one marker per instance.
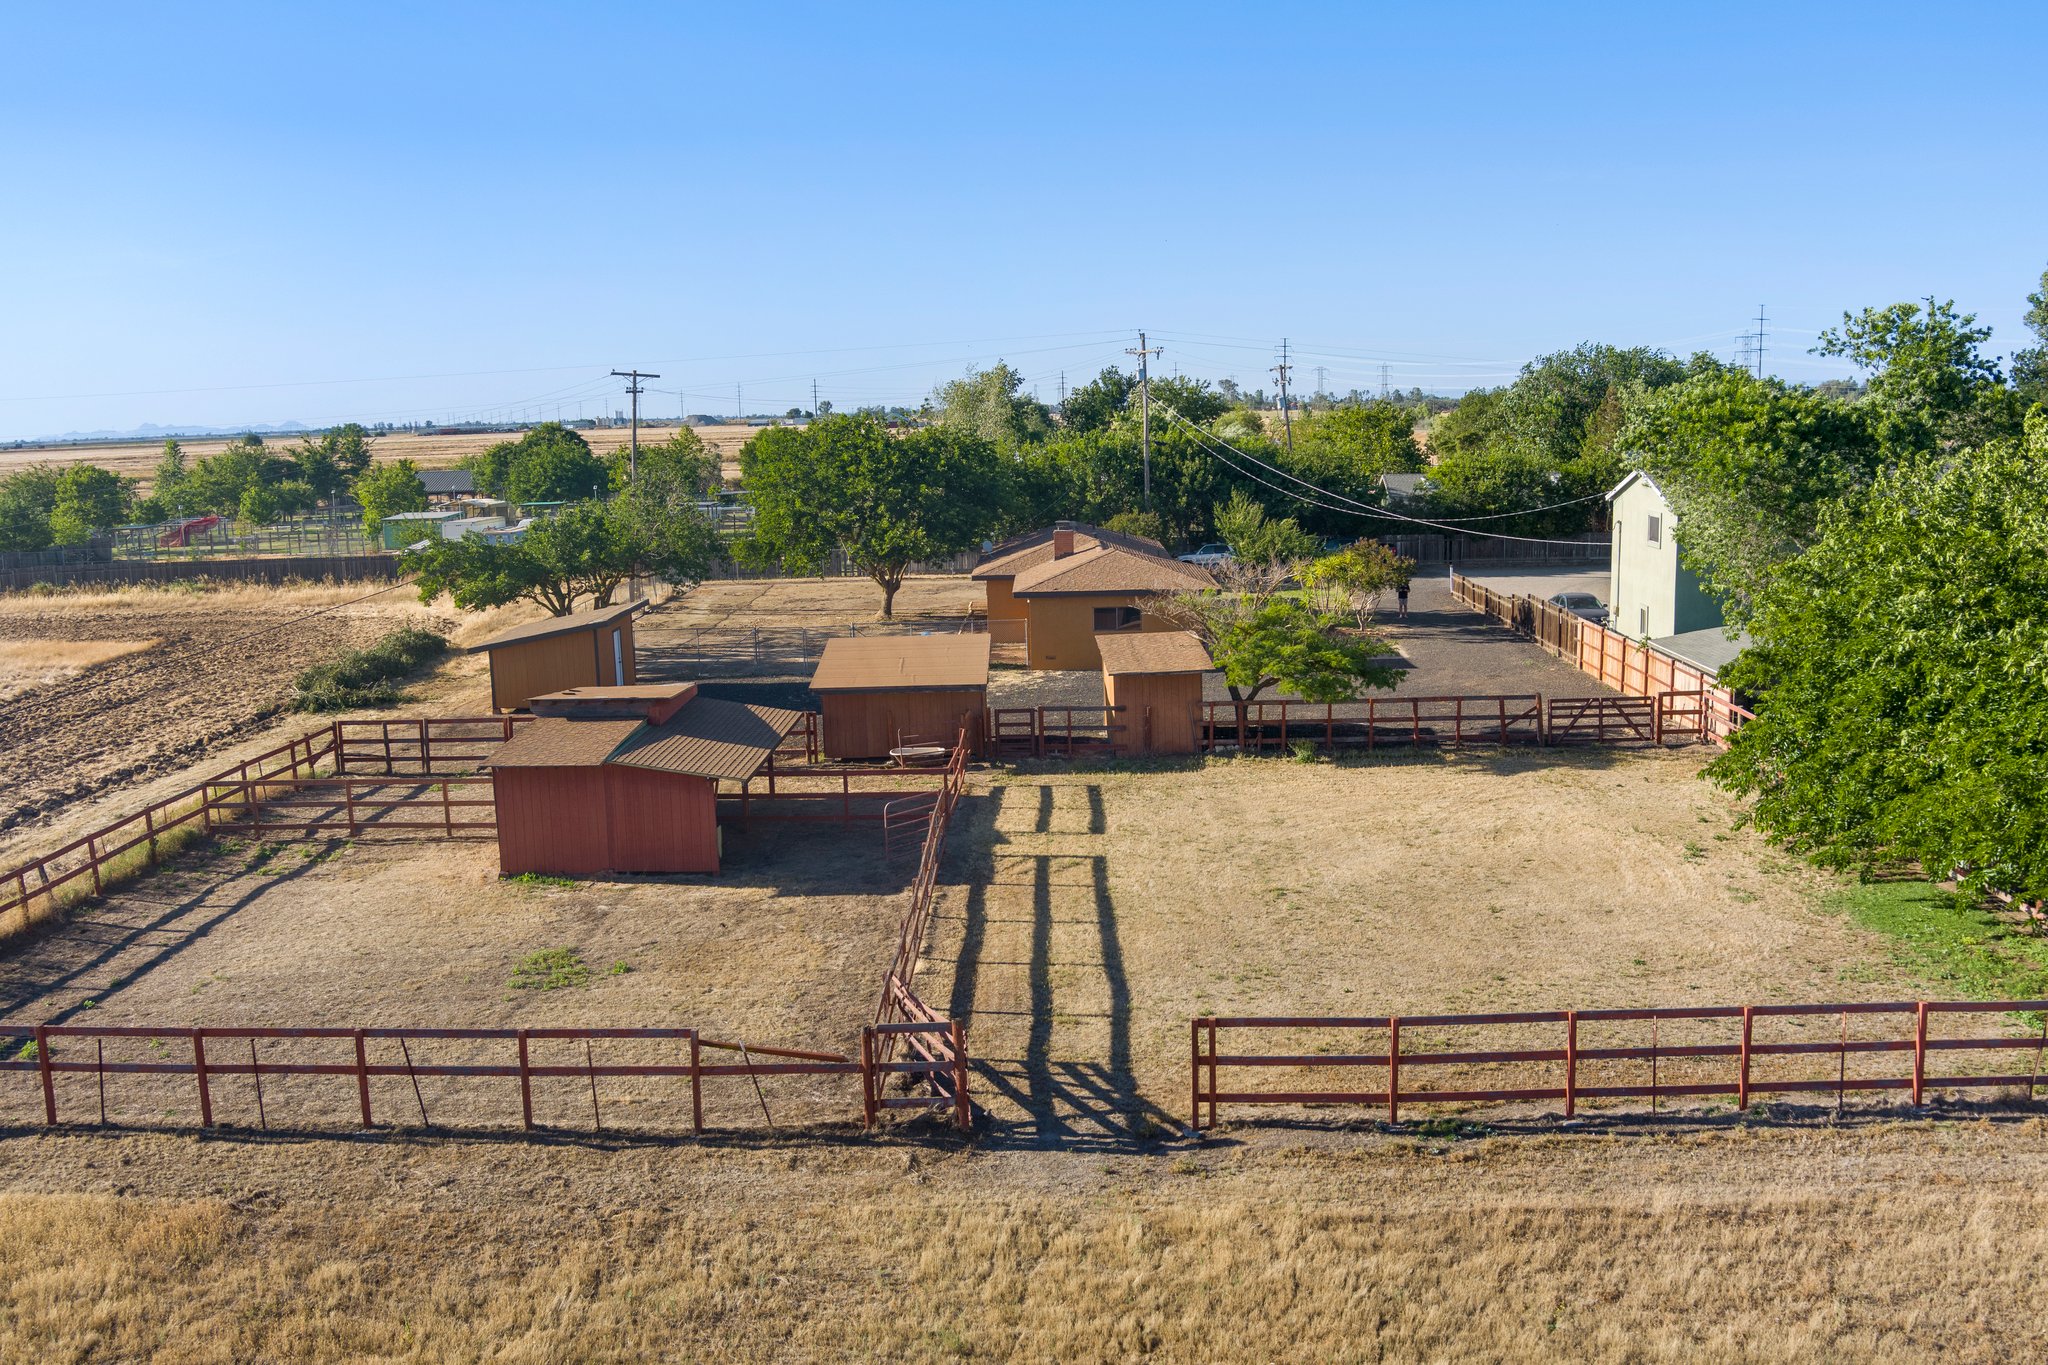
(1353, 578)
(1193, 399)
(27, 497)
(2030, 366)
(680, 469)
(550, 463)
(1257, 539)
(1094, 405)
(88, 499)
(1897, 666)
(585, 551)
(259, 506)
(168, 494)
(218, 482)
(1360, 441)
(847, 484)
(991, 405)
(333, 460)
(1262, 637)
(388, 489)
(1930, 387)
(1748, 465)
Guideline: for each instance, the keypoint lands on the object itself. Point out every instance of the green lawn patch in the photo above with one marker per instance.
(1948, 938)
(551, 969)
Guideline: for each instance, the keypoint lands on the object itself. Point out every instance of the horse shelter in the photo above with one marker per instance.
(877, 693)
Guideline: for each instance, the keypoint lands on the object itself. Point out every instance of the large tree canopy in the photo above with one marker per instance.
(1262, 636)
(1748, 465)
(1898, 666)
(550, 463)
(1930, 386)
(585, 551)
(884, 500)
(991, 404)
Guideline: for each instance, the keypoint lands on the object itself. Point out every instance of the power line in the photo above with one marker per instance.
(1282, 370)
(1144, 355)
(1357, 508)
(633, 378)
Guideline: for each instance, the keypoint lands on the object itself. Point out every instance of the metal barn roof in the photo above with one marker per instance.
(1159, 651)
(708, 738)
(558, 743)
(897, 663)
(560, 625)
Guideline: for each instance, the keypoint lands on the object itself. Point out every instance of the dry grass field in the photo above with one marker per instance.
(137, 459)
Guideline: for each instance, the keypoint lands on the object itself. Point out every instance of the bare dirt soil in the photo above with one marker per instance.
(221, 661)
(137, 459)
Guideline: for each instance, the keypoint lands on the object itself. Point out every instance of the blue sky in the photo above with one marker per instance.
(267, 213)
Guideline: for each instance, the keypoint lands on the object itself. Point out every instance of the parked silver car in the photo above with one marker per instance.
(1583, 605)
(1210, 556)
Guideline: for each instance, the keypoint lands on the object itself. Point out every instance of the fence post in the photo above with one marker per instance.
(92, 851)
(1919, 1052)
(447, 812)
(867, 1077)
(199, 1069)
(1571, 1062)
(525, 1085)
(348, 796)
(426, 750)
(1394, 1070)
(48, 1076)
(963, 1110)
(340, 751)
(696, 1089)
(1195, 1072)
(363, 1078)
(1742, 1075)
(1212, 1071)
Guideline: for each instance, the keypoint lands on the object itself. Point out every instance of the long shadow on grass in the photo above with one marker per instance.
(1088, 1103)
(56, 960)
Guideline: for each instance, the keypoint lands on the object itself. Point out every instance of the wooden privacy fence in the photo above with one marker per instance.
(363, 1055)
(1631, 667)
(1553, 1060)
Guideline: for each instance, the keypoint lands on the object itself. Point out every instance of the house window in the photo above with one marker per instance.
(1656, 530)
(1109, 619)
(1643, 618)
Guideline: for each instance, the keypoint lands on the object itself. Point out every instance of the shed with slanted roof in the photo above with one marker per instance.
(625, 779)
(584, 649)
(876, 692)
(1156, 681)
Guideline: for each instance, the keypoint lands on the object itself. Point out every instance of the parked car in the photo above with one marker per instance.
(1210, 555)
(1583, 605)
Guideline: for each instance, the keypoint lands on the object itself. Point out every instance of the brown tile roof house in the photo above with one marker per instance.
(625, 779)
(1110, 569)
(1166, 651)
(1033, 548)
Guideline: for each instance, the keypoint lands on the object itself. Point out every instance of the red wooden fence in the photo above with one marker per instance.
(1562, 1061)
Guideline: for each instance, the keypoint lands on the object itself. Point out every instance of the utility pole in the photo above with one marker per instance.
(739, 406)
(1760, 320)
(633, 378)
(814, 400)
(1281, 371)
(1145, 407)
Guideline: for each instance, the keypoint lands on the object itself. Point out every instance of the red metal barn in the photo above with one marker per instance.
(625, 779)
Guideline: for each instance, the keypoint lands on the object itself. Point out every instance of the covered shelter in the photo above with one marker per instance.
(1156, 680)
(625, 779)
(1077, 595)
(584, 649)
(877, 692)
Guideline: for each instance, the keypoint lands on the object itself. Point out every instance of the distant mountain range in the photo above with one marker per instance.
(150, 431)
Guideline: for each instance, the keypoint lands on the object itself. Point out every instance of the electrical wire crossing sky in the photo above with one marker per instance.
(248, 215)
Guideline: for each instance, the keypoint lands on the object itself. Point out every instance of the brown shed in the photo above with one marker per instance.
(625, 779)
(585, 649)
(1157, 680)
(876, 692)
(1077, 595)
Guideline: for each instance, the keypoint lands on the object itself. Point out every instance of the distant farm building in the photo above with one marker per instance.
(409, 528)
(443, 484)
(625, 779)
(879, 692)
(586, 649)
(1156, 678)
(1074, 594)
(1651, 593)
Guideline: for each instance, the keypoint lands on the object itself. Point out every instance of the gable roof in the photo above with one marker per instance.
(1032, 548)
(1153, 651)
(560, 625)
(706, 738)
(1633, 477)
(447, 481)
(902, 663)
(1110, 569)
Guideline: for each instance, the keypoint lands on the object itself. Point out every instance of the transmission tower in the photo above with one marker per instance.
(1280, 372)
(1383, 382)
(1760, 320)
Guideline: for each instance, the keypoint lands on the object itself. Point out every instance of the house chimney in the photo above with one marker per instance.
(1062, 543)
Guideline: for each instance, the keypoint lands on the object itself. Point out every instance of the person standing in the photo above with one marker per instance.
(1401, 599)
